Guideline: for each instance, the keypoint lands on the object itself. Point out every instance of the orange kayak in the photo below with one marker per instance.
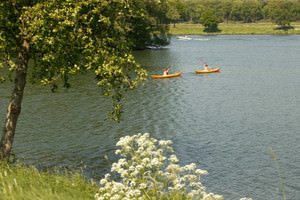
(208, 71)
(166, 76)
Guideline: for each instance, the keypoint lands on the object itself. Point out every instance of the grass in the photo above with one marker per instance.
(25, 183)
(279, 175)
(234, 28)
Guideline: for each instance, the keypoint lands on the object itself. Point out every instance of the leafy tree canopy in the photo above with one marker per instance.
(280, 13)
(149, 23)
(70, 36)
(62, 38)
(210, 21)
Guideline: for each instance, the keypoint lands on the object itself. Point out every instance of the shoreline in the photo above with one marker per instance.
(234, 28)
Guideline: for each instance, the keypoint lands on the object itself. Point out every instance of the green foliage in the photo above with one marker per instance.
(246, 11)
(21, 182)
(210, 21)
(69, 37)
(148, 21)
(251, 11)
(236, 11)
(172, 13)
(280, 13)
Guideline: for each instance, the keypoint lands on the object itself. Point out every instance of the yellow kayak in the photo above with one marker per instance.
(208, 71)
(166, 76)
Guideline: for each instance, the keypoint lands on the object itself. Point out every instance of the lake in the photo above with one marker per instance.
(224, 122)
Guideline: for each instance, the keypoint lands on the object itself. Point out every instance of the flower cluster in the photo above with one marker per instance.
(148, 169)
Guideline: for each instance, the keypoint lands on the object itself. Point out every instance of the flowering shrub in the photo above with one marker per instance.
(149, 170)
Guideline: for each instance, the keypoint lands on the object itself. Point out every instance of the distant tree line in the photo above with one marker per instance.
(280, 12)
(152, 17)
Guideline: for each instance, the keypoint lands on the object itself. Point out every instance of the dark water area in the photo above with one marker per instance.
(224, 122)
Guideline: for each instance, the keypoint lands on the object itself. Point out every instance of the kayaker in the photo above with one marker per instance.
(206, 68)
(166, 72)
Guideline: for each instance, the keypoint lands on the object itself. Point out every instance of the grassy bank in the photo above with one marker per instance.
(262, 28)
(28, 183)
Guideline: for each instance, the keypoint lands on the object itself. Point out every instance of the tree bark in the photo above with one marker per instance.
(14, 106)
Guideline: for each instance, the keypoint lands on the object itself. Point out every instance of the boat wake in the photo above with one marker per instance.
(202, 39)
(190, 38)
(184, 38)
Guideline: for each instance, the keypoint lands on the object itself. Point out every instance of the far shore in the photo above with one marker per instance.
(234, 28)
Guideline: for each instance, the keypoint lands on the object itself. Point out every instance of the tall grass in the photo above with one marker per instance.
(279, 174)
(25, 183)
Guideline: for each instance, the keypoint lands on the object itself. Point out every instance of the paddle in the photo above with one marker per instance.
(201, 60)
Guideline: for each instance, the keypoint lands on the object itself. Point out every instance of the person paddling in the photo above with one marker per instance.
(206, 68)
(166, 71)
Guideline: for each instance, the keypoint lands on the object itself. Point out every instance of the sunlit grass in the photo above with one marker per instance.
(28, 183)
(232, 28)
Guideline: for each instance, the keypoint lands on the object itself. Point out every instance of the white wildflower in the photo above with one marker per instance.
(201, 172)
(123, 172)
(178, 186)
(142, 186)
(174, 168)
(171, 188)
(145, 170)
(155, 162)
(137, 192)
(103, 181)
(133, 193)
(212, 196)
(107, 195)
(107, 176)
(191, 194)
(189, 177)
(145, 161)
(173, 158)
(133, 183)
(99, 198)
(165, 142)
(135, 173)
(139, 167)
(123, 141)
(140, 150)
(196, 185)
(131, 168)
(115, 197)
(190, 167)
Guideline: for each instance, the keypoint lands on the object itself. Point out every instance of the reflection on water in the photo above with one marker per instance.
(224, 122)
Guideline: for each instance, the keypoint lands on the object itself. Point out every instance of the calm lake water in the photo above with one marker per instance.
(224, 122)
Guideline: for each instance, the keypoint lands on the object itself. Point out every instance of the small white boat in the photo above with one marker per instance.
(184, 38)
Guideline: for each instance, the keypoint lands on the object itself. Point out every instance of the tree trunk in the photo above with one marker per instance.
(14, 106)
